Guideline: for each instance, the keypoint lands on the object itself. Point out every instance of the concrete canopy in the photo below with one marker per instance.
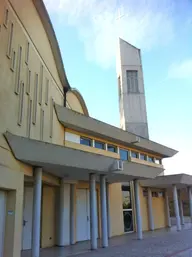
(180, 180)
(74, 164)
(103, 130)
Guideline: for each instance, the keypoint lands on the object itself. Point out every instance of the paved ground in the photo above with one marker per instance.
(161, 243)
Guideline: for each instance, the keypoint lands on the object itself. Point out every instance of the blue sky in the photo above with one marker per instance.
(87, 32)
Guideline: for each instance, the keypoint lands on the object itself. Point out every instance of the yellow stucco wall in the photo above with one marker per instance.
(116, 209)
(144, 211)
(159, 212)
(74, 103)
(48, 228)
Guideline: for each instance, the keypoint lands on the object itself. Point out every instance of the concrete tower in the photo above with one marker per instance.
(132, 105)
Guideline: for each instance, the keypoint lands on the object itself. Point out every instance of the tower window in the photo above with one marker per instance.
(132, 82)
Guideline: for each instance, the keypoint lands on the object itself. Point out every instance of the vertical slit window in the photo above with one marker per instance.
(13, 61)
(28, 87)
(35, 99)
(41, 84)
(41, 124)
(47, 92)
(29, 117)
(27, 53)
(18, 70)
(21, 103)
(9, 47)
(6, 18)
(51, 118)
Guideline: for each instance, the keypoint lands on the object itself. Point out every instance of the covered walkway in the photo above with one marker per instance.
(160, 243)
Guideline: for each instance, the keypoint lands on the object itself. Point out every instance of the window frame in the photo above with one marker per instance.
(112, 146)
(86, 138)
(100, 142)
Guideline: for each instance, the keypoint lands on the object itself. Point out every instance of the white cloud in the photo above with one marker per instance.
(144, 23)
(181, 70)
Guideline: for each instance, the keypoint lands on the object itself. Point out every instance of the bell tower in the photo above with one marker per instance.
(132, 104)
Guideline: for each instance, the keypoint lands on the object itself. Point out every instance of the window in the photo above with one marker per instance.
(145, 192)
(6, 18)
(46, 91)
(127, 208)
(154, 194)
(28, 88)
(99, 145)
(86, 141)
(112, 148)
(21, 98)
(9, 47)
(51, 117)
(35, 99)
(124, 154)
(27, 53)
(150, 159)
(132, 82)
(143, 157)
(134, 154)
(41, 124)
(40, 84)
(29, 117)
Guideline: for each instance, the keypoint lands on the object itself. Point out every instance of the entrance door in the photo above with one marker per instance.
(2, 220)
(27, 217)
(127, 209)
(83, 217)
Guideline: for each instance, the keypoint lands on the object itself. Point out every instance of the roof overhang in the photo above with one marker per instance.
(167, 181)
(69, 163)
(82, 123)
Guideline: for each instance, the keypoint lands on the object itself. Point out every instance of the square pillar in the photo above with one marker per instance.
(176, 207)
(93, 211)
(72, 214)
(138, 210)
(103, 200)
(167, 209)
(150, 210)
(108, 211)
(181, 208)
(36, 226)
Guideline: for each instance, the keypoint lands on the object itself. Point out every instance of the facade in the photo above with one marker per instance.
(61, 171)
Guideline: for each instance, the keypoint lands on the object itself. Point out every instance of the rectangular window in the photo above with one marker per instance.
(143, 157)
(154, 194)
(86, 141)
(6, 18)
(112, 148)
(9, 47)
(41, 124)
(150, 159)
(124, 154)
(99, 145)
(134, 154)
(145, 192)
(17, 81)
(126, 192)
(29, 117)
(21, 103)
(35, 99)
(51, 117)
(132, 82)
(41, 84)
(46, 91)
(28, 86)
(13, 61)
(27, 53)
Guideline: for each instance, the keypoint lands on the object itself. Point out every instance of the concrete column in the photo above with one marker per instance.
(138, 210)
(150, 210)
(167, 209)
(72, 214)
(190, 201)
(61, 227)
(93, 211)
(181, 208)
(36, 226)
(103, 198)
(108, 211)
(176, 206)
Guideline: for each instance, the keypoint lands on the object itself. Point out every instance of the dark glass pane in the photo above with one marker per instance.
(99, 145)
(128, 221)
(150, 159)
(112, 148)
(85, 141)
(126, 194)
(143, 157)
(123, 155)
(134, 154)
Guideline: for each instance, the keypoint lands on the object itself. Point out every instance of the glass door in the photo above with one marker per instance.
(127, 209)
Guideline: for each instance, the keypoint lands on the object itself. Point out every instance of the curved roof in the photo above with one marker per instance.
(81, 100)
(43, 14)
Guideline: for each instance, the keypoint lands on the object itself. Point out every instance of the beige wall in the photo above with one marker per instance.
(116, 209)
(159, 212)
(74, 103)
(144, 211)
